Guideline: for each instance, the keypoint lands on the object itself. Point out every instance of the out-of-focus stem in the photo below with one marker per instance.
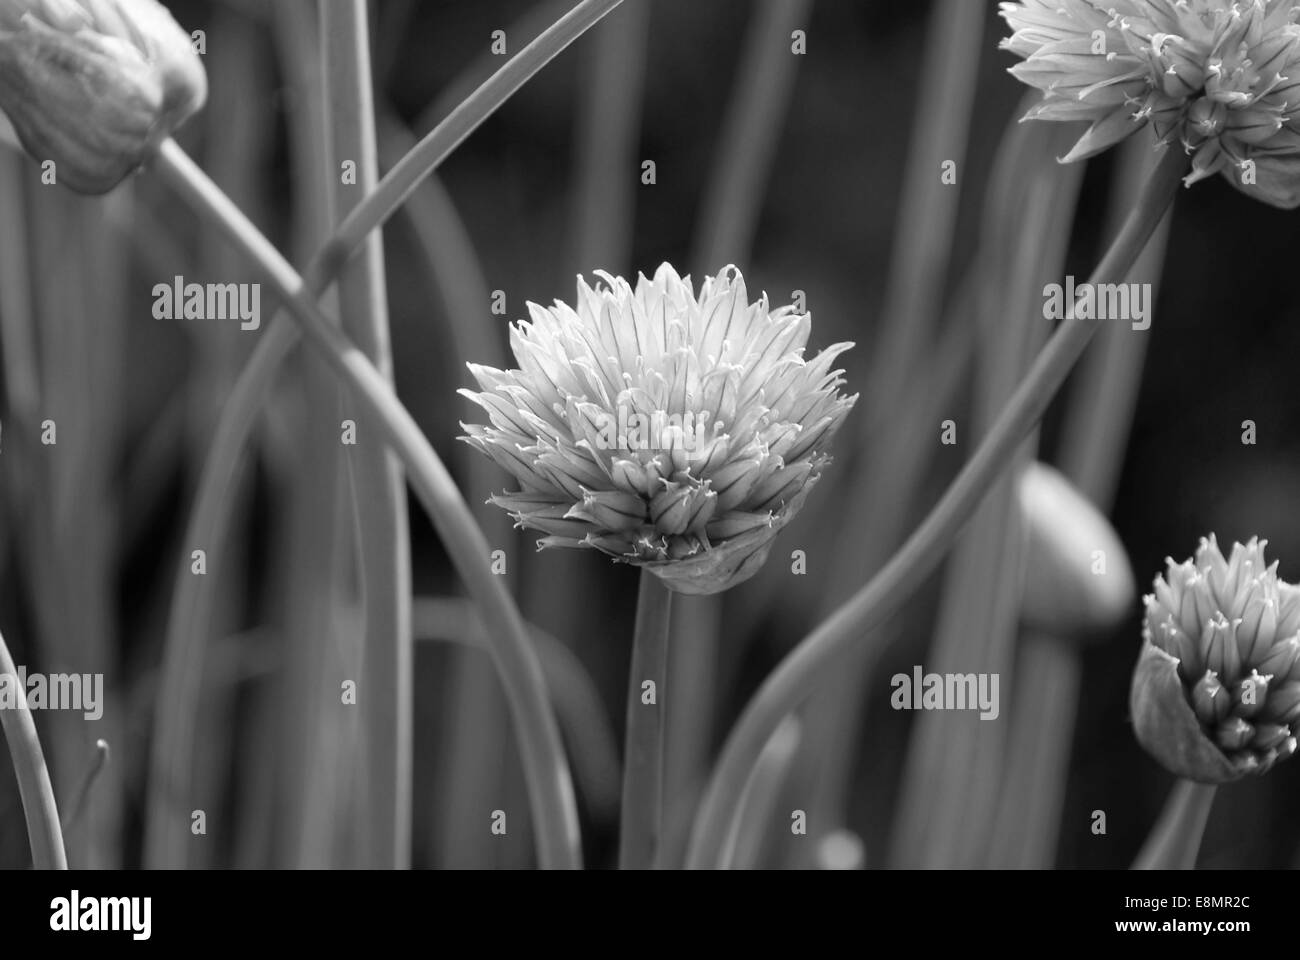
(398, 183)
(378, 492)
(1103, 396)
(1043, 708)
(97, 765)
(950, 784)
(1175, 840)
(22, 387)
(806, 666)
(747, 141)
(33, 777)
(532, 22)
(191, 609)
(551, 789)
(643, 758)
(900, 388)
(609, 125)
(323, 816)
(468, 786)
(754, 821)
(577, 703)
(922, 245)
(724, 233)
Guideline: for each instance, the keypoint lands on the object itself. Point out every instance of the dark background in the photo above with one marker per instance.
(1224, 341)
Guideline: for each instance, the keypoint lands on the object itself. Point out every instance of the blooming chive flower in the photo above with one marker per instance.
(1216, 694)
(1220, 77)
(95, 85)
(671, 431)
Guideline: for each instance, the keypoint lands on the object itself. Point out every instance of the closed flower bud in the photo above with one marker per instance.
(1233, 734)
(95, 85)
(1210, 700)
(1281, 659)
(1078, 581)
(1212, 697)
(612, 509)
(1270, 735)
(1284, 703)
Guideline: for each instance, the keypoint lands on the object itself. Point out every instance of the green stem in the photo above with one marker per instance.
(800, 673)
(378, 492)
(1175, 840)
(643, 755)
(33, 777)
(547, 770)
(192, 603)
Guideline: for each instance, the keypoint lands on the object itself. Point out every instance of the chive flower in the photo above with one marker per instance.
(95, 85)
(1220, 78)
(1216, 692)
(673, 431)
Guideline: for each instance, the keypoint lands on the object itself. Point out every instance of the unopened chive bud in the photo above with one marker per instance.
(1213, 696)
(95, 85)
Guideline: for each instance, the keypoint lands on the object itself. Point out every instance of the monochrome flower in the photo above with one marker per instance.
(674, 431)
(95, 85)
(1216, 692)
(1219, 77)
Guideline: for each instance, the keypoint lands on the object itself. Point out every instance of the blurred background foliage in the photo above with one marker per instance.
(92, 527)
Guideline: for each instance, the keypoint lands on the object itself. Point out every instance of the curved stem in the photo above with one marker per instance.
(643, 756)
(1175, 840)
(551, 789)
(574, 697)
(752, 824)
(33, 777)
(799, 674)
(192, 602)
(398, 183)
(97, 765)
